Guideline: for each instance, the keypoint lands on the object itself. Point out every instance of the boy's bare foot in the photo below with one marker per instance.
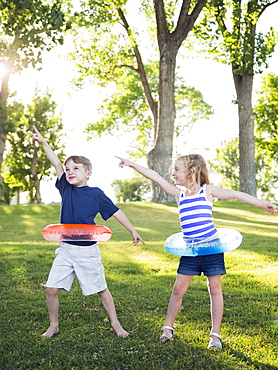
(50, 332)
(119, 330)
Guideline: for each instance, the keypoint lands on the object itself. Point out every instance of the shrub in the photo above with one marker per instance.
(135, 189)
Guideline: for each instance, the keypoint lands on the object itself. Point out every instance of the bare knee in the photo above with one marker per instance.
(51, 292)
(103, 292)
(178, 290)
(181, 285)
(214, 287)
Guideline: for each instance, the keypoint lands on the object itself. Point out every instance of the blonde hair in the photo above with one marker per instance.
(197, 169)
(79, 159)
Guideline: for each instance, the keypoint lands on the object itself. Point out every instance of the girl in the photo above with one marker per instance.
(192, 185)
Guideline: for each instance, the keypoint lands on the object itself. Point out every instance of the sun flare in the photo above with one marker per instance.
(3, 70)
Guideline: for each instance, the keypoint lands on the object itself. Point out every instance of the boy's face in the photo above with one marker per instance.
(76, 174)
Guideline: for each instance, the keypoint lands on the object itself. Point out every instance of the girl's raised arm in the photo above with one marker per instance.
(170, 189)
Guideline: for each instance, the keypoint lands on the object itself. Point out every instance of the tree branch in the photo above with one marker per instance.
(140, 70)
(186, 21)
(266, 6)
(130, 66)
(162, 29)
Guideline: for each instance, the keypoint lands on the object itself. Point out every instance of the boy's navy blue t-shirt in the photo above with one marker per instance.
(80, 205)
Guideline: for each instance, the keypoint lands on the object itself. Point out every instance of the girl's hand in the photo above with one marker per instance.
(124, 162)
(269, 207)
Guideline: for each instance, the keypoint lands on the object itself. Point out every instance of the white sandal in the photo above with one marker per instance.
(213, 343)
(167, 336)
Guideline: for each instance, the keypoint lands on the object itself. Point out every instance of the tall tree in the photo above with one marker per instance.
(247, 51)
(266, 116)
(226, 164)
(26, 163)
(126, 109)
(114, 53)
(27, 28)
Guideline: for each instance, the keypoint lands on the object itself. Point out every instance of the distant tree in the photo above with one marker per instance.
(27, 163)
(229, 32)
(26, 29)
(10, 191)
(131, 190)
(126, 110)
(226, 164)
(266, 116)
(111, 50)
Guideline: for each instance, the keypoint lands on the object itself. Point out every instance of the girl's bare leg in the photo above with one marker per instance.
(216, 299)
(180, 288)
(53, 308)
(109, 306)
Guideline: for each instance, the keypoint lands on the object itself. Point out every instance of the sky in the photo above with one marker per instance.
(79, 107)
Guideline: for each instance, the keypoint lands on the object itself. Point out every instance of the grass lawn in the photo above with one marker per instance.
(140, 279)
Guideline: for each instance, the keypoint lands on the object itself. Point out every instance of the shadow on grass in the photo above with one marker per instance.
(87, 342)
(140, 279)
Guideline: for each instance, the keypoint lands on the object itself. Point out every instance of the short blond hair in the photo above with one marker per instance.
(79, 159)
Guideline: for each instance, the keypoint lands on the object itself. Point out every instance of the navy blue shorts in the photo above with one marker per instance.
(210, 265)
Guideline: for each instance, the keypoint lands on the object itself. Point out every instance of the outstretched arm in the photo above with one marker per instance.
(49, 152)
(170, 189)
(216, 192)
(121, 217)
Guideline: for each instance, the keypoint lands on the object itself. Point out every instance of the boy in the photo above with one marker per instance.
(80, 204)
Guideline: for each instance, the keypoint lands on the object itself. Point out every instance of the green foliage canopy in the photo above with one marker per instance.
(103, 36)
(135, 189)
(229, 31)
(26, 162)
(226, 164)
(118, 50)
(266, 116)
(126, 110)
(26, 28)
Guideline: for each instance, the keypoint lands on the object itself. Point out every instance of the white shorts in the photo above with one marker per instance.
(84, 262)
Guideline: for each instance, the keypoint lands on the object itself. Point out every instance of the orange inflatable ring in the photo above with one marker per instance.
(76, 232)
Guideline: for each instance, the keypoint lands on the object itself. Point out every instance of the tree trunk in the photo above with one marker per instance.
(247, 176)
(2, 147)
(160, 157)
(17, 196)
(38, 191)
(35, 195)
(4, 93)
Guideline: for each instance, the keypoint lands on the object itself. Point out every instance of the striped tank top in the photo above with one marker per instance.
(195, 214)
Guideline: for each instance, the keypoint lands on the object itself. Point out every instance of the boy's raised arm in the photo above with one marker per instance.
(49, 152)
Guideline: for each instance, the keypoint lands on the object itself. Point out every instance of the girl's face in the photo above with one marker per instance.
(179, 173)
(76, 174)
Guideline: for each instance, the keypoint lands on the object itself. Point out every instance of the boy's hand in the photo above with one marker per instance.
(136, 238)
(37, 136)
